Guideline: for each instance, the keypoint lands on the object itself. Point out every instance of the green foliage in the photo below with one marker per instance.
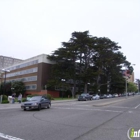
(4, 98)
(18, 87)
(31, 95)
(49, 96)
(5, 88)
(5, 101)
(131, 87)
(88, 59)
(24, 100)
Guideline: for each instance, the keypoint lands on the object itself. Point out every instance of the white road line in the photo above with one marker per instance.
(9, 137)
(89, 109)
(137, 106)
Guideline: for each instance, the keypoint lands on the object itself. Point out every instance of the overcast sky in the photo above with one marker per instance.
(32, 27)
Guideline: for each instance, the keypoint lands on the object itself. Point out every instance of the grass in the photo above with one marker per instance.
(63, 98)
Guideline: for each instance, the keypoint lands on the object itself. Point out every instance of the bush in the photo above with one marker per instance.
(48, 96)
(24, 99)
(30, 95)
(4, 98)
(5, 101)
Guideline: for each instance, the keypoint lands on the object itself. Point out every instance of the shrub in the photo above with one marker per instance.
(24, 99)
(30, 95)
(5, 101)
(16, 100)
(4, 98)
(48, 96)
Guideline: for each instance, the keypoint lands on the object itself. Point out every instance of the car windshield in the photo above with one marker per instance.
(84, 94)
(35, 98)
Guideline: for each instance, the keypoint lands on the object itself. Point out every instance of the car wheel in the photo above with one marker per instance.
(24, 109)
(39, 107)
(49, 106)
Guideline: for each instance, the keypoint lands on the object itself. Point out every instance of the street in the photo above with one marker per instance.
(105, 119)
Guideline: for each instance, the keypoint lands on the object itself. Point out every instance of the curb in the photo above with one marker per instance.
(109, 103)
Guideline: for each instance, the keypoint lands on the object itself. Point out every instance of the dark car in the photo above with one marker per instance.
(84, 97)
(103, 96)
(36, 102)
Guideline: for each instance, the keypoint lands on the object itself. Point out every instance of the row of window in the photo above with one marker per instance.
(31, 87)
(25, 79)
(24, 65)
(32, 70)
(7, 61)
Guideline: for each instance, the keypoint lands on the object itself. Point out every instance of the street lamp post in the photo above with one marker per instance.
(126, 86)
(46, 88)
(98, 91)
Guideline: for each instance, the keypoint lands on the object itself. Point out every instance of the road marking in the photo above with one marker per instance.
(9, 137)
(137, 106)
(89, 109)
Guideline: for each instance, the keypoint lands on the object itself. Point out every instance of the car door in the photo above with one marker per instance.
(43, 102)
(47, 102)
(88, 97)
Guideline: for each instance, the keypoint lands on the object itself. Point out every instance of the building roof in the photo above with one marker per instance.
(42, 58)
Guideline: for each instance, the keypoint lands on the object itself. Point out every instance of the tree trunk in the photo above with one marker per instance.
(85, 88)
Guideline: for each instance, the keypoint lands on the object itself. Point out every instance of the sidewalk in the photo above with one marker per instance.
(9, 106)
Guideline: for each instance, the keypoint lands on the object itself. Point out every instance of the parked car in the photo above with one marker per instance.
(96, 97)
(113, 95)
(119, 95)
(116, 95)
(109, 96)
(36, 102)
(103, 96)
(84, 97)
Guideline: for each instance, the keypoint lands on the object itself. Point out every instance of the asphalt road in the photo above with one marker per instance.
(106, 119)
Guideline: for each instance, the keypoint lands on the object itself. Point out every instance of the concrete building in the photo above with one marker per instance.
(131, 78)
(8, 61)
(34, 72)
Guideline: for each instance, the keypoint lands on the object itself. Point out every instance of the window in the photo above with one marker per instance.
(31, 87)
(32, 70)
(24, 65)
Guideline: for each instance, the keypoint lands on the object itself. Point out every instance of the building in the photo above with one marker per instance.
(8, 61)
(131, 78)
(34, 72)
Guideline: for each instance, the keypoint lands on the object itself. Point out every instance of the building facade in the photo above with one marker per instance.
(131, 78)
(34, 72)
(8, 61)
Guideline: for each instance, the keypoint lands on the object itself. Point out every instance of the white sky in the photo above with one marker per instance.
(32, 27)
